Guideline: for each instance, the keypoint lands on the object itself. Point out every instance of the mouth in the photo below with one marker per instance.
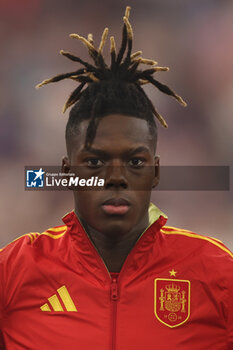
(116, 206)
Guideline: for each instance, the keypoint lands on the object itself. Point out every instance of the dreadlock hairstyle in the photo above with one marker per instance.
(116, 88)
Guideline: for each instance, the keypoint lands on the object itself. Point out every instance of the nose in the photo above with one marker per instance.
(115, 177)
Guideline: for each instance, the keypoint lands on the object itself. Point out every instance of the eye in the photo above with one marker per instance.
(94, 162)
(136, 162)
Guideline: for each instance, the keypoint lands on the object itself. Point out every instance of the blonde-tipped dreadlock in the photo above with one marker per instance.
(124, 69)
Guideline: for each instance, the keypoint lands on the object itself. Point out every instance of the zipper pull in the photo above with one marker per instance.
(114, 289)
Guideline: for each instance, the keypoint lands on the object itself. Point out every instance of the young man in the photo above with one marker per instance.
(113, 276)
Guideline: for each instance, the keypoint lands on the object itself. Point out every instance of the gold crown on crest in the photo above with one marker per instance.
(172, 288)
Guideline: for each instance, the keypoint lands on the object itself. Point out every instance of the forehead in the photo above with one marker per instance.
(117, 131)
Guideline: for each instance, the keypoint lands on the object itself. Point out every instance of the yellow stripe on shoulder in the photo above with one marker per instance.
(29, 235)
(190, 234)
(34, 235)
(169, 228)
(57, 229)
(55, 232)
(183, 230)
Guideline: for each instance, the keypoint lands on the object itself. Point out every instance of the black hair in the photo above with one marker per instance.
(111, 89)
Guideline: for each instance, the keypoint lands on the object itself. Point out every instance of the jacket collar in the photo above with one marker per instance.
(71, 220)
(155, 213)
(137, 260)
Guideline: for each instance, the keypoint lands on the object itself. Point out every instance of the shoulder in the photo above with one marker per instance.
(191, 240)
(200, 257)
(23, 245)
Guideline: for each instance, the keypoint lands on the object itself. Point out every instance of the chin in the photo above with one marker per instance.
(115, 229)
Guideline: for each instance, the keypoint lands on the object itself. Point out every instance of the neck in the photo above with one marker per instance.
(115, 249)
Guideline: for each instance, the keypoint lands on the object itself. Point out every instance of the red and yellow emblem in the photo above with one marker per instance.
(172, 301)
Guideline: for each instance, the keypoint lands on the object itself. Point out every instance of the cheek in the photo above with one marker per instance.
(85, 202)
(142, 181)
(143, 201)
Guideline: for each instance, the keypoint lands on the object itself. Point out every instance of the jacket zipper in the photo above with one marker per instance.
(114, 298)
(114, 284)
(115, 295)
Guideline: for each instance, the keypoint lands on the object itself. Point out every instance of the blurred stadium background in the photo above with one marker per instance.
(193, 38)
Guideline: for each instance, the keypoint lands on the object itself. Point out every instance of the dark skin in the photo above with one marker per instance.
(122, 153)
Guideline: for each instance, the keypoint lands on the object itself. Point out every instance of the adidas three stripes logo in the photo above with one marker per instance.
(56, 301)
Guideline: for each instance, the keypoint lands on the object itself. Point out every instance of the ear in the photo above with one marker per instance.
(157, 171)
(65, 165)
(65, 168)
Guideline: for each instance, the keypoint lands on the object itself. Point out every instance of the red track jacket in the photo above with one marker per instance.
(175, 291)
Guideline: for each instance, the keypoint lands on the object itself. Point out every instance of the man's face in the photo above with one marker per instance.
(122, 153)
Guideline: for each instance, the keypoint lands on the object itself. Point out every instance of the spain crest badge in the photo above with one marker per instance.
(172, 301)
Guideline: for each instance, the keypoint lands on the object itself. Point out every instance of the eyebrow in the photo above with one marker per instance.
(129, 152)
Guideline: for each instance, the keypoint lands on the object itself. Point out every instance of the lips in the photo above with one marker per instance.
(116, 206)
(116, 202)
